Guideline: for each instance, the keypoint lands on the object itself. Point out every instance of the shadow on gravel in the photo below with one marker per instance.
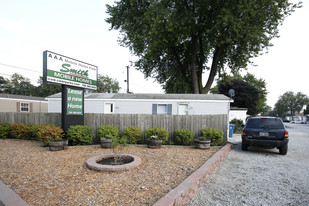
(256, 150)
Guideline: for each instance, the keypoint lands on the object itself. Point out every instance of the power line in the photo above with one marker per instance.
(20, 68)
(6, 74)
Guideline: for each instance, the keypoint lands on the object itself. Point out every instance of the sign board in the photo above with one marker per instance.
(67, 71)
(74, 101)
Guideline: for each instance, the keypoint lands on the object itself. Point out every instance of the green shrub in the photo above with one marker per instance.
(80, 135)
(161, 133)
(49, 132)
(34, 130)
(107, 130)
(5, 130)
(21, 131)
(184, 136)
(133, 135)
(237, 123)
(215, 135)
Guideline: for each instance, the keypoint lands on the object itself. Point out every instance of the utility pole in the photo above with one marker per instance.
(128, 90)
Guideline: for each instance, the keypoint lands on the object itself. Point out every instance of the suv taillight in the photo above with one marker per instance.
(286, 134)
(244, 132)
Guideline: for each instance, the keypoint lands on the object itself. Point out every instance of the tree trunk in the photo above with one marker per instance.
(213, 70)
(193, 65)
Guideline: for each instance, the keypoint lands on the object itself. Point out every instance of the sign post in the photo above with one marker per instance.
(74, 76)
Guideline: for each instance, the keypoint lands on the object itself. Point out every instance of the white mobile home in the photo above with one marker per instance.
(169, 104)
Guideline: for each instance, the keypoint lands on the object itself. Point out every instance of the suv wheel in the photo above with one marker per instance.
(244, 147)
(283, 150)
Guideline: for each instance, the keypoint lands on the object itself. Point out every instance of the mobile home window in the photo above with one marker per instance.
(183, 109)
(162, 109)
(24, 107)
(108, 108)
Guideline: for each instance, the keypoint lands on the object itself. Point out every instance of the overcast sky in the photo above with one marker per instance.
(77, 29)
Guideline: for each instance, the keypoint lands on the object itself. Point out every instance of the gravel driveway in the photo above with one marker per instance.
(261, 176)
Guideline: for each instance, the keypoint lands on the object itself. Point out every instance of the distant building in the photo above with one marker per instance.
(21, 103)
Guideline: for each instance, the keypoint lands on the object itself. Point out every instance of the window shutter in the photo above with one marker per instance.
(154, 108)
(169, 109)
(17, 106)
(31, 107)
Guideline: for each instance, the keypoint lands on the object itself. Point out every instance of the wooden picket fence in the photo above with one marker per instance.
(195, 123)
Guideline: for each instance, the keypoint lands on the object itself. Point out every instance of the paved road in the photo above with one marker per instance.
(261, 176)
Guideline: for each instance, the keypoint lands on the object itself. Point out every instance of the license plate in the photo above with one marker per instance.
(264, 134)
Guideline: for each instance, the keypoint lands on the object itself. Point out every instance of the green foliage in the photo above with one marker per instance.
(250, 79)
(290, 102)
(213, 134)
(44, 89)
(5, 130)
(246, 95)
(237, 123)
(161, 133)
(184, 136)
(47, 133)
(21, 131)
(80, 135)
(106, 85)
(108, 132)
(176, 39)
(18, 85)
(133, 135)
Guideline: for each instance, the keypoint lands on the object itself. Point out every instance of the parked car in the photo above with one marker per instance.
(299, 120)
(267, 132)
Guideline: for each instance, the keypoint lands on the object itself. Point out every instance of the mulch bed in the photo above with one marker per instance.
(42, 177)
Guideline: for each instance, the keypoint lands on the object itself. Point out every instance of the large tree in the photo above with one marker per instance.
(176, 40)
(246, 95)
(260, 106)
(290, 102)
(17, 85)
(45, 89)
(107, 85)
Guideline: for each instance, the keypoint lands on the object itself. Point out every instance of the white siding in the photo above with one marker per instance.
(238, 114)
(145, 107)
(54, 105)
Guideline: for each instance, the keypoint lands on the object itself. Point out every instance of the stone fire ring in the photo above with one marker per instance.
(92, 163)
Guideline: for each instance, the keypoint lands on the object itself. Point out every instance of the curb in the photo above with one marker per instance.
(9, 198)
(187, 189)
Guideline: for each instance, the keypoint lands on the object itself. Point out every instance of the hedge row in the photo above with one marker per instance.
(83, 135)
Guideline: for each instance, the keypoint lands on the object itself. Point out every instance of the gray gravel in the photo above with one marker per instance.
(261, 176)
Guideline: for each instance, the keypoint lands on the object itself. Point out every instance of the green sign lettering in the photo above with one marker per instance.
(66, 68)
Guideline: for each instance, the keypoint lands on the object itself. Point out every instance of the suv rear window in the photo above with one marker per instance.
(260, 123)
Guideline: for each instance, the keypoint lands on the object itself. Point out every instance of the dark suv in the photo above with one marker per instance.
(265, 132)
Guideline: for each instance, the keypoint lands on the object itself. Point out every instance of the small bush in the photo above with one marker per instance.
(184, 136)
(80, 135)
(5, 130)
(34, 130)
(108, 130)
(21, 131)
(161, 133)
(133, 135)
(215, 135)
(47, 133)
(237, 123)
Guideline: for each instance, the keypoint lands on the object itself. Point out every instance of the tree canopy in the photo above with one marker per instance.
(176, 41)
(106, 84)
(246, 95)
(17, 85)
(290, 103)
(250, 79)
(22, 86)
